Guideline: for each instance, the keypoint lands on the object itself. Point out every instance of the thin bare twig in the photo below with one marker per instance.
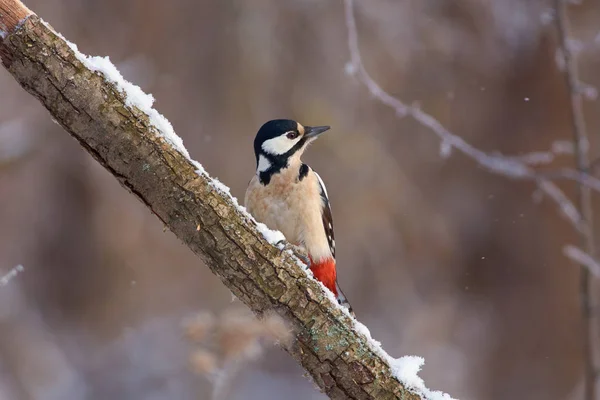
(517, 167)
(581, 142)
(584, 179)
(583, 259)
(4, 279)
(545, 157)
(510, 167)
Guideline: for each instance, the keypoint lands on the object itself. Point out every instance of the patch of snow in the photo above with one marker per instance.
(332, 297)
(199, 168)
(272, 236)
(133, 94)
(405, 369)
(363, 330)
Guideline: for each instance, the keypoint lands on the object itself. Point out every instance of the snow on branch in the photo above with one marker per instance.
(514, 167)
(115, 122)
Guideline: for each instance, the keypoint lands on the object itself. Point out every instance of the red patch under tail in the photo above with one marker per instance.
(324, 271)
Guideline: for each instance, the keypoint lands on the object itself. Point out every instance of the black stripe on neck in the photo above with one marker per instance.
(278, 162)
(303, 171)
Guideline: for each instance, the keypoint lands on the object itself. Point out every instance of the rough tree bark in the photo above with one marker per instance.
(340, 360)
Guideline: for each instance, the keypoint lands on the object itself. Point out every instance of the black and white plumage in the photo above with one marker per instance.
(326, 215)
(287, 195)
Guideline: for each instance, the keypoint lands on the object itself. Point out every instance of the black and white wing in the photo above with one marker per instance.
(326, 215)
(328, 225)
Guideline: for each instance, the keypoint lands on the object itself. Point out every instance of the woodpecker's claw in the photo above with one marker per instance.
(296, 250)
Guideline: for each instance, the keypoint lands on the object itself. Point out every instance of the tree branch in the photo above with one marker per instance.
(580, 216)
(581, 144)
(10, 275)
(115, 122)
(510, 167)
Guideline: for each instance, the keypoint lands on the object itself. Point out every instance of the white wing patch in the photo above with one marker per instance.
(326, 216)
(323, 188)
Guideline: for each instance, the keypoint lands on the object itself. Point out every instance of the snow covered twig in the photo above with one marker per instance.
(116, 123)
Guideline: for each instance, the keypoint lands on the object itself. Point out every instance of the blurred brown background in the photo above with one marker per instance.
(438, 257)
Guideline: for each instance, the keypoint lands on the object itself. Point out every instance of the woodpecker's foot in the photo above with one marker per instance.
(296, 250)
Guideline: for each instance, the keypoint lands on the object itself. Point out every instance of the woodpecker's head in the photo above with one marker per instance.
(280, 141)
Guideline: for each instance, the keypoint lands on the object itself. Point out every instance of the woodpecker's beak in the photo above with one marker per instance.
(311, 132)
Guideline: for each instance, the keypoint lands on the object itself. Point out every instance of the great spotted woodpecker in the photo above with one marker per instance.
(287, 195)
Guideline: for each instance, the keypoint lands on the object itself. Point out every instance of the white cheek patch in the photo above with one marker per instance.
(279, 145)
(263, 164)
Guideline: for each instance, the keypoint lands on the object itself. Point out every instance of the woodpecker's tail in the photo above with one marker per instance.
(343, 300)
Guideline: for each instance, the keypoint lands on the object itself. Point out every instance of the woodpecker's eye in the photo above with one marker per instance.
(292, 135)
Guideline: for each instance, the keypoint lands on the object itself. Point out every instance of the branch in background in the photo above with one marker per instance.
(559, 147)
(511, 167)
(520, 167)
(581, 144)
(574, 253)
(229, 342)
(115, 122)
(10, 275)
(582, 178)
